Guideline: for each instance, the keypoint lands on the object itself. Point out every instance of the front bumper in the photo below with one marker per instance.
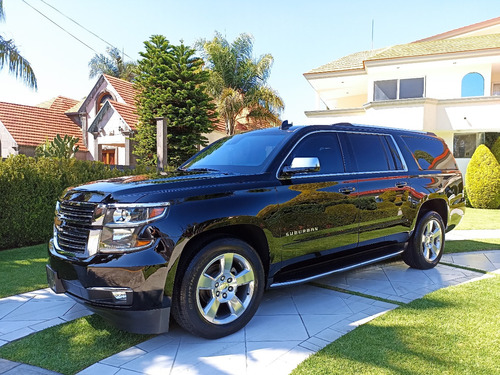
(125, 289)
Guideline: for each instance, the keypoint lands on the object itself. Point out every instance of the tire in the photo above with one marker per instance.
(220, 289)
(426, 246)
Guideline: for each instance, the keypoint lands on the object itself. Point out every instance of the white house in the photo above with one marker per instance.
(108, 119)
(448, 84)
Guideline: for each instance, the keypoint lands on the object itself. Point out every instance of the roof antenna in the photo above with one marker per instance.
(286, 125)
(373, 30)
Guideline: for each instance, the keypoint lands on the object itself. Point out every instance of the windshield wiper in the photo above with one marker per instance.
(199, 170)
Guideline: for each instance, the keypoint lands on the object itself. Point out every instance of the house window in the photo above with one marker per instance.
(386, 90)
(105, 96)
(472, 85)
(495, 89)
(464, 145)
(398, 89)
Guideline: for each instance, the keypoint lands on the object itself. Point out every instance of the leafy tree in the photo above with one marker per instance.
(64, 148)
(171, 83)
(238, 82)
(10, 56)
(112, 65)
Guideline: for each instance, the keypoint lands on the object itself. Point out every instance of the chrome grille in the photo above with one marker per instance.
(73, 223)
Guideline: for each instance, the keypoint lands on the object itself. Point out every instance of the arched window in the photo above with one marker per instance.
(102, 99)
(472, 85)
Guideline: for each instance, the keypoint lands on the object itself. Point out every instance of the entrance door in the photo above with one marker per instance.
(108, 156)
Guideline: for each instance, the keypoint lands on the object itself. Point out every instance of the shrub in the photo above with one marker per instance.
(65, 148)
(29, 189)
(483, 179)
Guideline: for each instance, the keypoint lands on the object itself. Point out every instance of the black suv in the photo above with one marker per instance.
(259, 210)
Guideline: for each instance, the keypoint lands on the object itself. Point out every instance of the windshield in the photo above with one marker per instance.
(243, 153)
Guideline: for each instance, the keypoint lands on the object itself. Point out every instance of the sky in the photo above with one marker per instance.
(300, 35)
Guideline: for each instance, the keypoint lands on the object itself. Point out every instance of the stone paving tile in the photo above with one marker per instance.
(486, 260)
(14, 368)
(34, 311)
(396, 281)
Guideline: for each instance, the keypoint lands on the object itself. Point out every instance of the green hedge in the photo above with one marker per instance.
(29, 188)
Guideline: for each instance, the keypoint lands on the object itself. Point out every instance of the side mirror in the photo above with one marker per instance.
(302, 165)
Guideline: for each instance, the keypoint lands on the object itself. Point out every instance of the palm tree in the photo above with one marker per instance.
(10, 56)
(112, 65)
(238, 81)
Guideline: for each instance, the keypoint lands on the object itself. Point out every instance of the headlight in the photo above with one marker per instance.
(132, 215)
(123, 225)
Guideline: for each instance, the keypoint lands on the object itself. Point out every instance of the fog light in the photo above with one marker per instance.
(120, 296)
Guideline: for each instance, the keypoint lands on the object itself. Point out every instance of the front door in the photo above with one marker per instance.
(108, 156)
(318, 210)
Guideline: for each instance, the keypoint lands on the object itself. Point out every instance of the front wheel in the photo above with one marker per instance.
(427, 243)
(220, 289)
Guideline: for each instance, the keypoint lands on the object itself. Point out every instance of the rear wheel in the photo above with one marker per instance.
(220, 289)
(427, 243)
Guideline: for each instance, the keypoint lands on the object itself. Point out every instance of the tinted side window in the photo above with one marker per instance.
(369, 152)
(430, 153)
(325, 146)
(394, 156)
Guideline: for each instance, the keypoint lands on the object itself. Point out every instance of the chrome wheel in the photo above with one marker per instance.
(225, 288)
(432, 237)
(425, 248)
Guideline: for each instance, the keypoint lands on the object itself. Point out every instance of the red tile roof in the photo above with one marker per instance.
(124, 88)
(62, 104)
(32, 126)
(127, 112)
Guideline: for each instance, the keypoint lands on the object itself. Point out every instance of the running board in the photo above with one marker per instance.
(307, 279)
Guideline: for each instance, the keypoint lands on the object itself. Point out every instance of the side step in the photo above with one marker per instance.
(346, 268)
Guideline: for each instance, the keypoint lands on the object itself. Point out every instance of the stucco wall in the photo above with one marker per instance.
(7, 143)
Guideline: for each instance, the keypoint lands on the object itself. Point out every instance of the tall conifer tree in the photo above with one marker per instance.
(171, 84)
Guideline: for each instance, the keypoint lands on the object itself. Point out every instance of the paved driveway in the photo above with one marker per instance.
(291, 324)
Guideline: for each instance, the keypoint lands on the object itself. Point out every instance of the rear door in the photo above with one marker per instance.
(382, 188)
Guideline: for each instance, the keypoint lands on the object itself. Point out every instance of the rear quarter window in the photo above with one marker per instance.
(430, 153)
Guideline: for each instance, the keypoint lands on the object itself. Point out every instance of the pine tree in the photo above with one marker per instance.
(171, 84)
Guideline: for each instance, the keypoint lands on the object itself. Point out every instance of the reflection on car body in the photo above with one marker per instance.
(264, 209)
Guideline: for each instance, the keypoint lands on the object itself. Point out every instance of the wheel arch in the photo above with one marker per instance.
(438, 205)
(251, 234)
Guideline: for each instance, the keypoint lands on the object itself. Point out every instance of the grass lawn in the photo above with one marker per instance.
(471, 245)
(476, 218)
(450, 331)
(71, 347)
(23, 270)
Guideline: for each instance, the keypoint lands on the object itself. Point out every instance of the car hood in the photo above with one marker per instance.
(155, 186)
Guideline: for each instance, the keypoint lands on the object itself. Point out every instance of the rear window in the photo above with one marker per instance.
(430, 153)
(374, 153)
